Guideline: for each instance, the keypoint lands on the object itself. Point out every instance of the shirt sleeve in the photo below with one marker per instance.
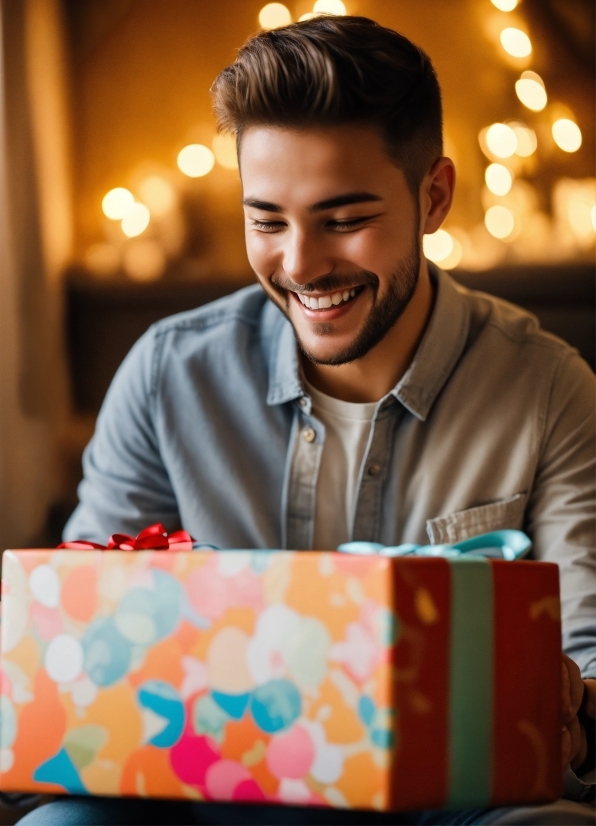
(561, 507)
(125, 484)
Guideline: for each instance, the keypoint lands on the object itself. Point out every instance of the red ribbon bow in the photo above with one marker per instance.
(154, 538)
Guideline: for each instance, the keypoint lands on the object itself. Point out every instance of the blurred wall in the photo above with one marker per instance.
(35, 245)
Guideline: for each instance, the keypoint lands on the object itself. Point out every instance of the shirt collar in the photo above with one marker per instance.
(439, 350)
(284, 368)
(437, 354)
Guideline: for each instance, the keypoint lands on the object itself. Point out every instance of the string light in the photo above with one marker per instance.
(102, 259)
(526, 139)
(117, 202)
(144, 260)
(329, 7)
(274, 15)
(515, 42)
(442, 248)
(438, 245)
(501, 140)
(196, 160)
(567, 135)
(530, 90)
(499, 221)
(504, 5)
(136, 220)
(498, 179)
(224, 149)
(158, 194)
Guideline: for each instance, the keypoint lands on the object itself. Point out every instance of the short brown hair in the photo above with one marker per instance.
(337, 70)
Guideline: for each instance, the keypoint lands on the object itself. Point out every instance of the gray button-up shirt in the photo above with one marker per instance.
(207, 426)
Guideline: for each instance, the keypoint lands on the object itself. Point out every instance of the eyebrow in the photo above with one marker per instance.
(321, 206)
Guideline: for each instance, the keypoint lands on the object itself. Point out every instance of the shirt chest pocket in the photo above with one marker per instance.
(455, 527)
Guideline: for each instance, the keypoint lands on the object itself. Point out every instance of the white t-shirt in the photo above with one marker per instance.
(347, 428)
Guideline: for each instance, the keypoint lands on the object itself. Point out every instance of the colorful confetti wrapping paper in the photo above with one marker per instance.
(309, 678)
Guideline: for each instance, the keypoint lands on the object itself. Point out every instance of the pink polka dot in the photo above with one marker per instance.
(248, 790)
(223, 777)
(192, 756)
(207, 591)
(291, 754)
(246, 590)
(5, 684)
(47, 621)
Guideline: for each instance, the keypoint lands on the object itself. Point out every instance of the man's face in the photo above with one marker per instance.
(332, 233)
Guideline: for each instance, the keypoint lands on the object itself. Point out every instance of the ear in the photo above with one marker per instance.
(436, 195)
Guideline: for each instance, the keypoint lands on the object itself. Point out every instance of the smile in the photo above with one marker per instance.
(324, 302)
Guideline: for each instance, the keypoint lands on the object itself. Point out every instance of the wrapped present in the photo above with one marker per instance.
(310, 678)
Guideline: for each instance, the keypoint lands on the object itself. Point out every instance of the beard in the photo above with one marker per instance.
(382, 316)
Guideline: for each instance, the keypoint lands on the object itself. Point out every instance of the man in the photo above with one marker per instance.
(360, 394)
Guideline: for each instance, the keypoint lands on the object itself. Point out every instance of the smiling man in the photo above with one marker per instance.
(357, 393)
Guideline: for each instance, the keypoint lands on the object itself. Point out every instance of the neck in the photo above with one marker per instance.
(371, 377)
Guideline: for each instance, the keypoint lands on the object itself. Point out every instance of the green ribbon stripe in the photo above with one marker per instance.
(471, 683)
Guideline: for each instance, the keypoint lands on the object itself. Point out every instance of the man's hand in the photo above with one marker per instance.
(574, 745)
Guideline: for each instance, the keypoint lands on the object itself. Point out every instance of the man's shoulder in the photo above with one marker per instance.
(494, 317)
(244, 307)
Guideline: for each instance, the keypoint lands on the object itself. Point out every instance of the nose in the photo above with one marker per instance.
(304, 259)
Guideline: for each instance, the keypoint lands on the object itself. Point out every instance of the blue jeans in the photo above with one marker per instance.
(96, 811)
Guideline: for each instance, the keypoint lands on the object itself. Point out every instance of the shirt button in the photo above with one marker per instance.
(373, 470)
(308, 434)
(302, 401)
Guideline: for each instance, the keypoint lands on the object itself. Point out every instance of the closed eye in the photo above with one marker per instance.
(267, 226)
(350, 224)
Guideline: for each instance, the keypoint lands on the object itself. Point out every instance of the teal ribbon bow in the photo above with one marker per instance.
(507, 544)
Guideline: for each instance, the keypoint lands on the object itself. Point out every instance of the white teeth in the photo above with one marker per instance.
(326, 301)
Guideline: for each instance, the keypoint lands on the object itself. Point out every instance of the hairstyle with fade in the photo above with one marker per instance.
(330, 71)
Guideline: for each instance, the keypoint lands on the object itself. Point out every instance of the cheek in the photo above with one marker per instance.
(370, 250)
(259, 252)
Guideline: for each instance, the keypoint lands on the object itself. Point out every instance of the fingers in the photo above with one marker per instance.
(565, 747)
(579, 740)
(572, 689)
(590, 698)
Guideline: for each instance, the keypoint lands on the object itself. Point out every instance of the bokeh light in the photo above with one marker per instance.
(136, 220)
(501, 140)
(307, 16)
(515, 42)
(224, 149)
(498, 179)
(504, 5)
(499, 221)
(442, 248)
(329, 7)
(196, 160)
(158, 195)
(530, 90)
(143, 260)
(437, 245)
(567, 135)
(274, 15)
(117, 202)
(593, 216)
(526, 139)
(454, 257)
(102, 259)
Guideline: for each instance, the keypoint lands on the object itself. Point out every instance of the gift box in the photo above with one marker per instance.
(309, 678)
